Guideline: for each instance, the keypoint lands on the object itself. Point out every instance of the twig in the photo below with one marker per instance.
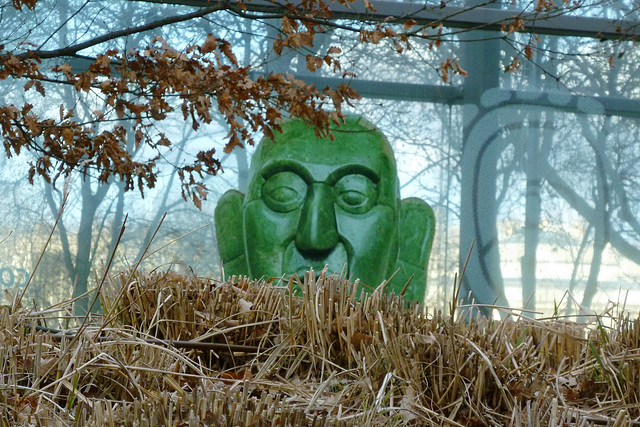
(73, 49)
(59, 335)
(110, 316)
(65, 197)
(458, 285)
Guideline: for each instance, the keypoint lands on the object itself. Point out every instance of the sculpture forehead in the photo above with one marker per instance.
(356, 143)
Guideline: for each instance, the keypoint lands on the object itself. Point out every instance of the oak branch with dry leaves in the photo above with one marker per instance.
(142, 86)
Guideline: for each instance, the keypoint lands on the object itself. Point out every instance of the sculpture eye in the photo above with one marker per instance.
(284, 191)
(355, 193)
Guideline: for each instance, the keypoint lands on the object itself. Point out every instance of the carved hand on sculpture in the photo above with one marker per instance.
(312, 202)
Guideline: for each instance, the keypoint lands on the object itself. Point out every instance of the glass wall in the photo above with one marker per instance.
(532, 158)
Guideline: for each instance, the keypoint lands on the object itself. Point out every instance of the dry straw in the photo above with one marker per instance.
(184, 351)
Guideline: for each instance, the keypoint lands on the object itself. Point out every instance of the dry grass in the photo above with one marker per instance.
(176, 350)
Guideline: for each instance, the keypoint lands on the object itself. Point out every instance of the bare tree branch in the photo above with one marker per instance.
(588, 213)
(72, 50)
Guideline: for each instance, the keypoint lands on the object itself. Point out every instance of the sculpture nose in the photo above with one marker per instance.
(317, 232)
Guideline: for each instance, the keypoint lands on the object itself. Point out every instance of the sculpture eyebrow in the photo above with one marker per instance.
(286, 166)
(353, 169)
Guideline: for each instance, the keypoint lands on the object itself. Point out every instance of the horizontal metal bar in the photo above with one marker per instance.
(390, 90)
(482, 18)
(579, 104)
(454, 95)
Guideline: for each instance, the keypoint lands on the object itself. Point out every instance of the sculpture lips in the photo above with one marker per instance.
(296, 262)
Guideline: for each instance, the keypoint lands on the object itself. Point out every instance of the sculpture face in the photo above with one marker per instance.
(312, 202)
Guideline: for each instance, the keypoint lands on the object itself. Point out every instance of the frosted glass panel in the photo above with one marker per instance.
(533, 157)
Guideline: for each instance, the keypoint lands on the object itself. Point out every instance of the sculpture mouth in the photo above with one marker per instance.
(296, 262)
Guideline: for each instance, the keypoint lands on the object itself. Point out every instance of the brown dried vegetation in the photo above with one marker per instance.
(177, 350)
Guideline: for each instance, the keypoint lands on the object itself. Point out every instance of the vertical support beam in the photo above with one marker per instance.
(533, 211)
(480, 153)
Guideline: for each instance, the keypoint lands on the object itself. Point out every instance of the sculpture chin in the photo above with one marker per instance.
(295, 262)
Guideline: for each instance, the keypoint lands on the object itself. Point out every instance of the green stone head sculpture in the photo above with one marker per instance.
(313, 201)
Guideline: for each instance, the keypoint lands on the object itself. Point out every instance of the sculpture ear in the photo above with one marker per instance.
(415, 237)
(230, 233)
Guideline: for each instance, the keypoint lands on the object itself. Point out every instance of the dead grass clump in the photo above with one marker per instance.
(179, 350)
